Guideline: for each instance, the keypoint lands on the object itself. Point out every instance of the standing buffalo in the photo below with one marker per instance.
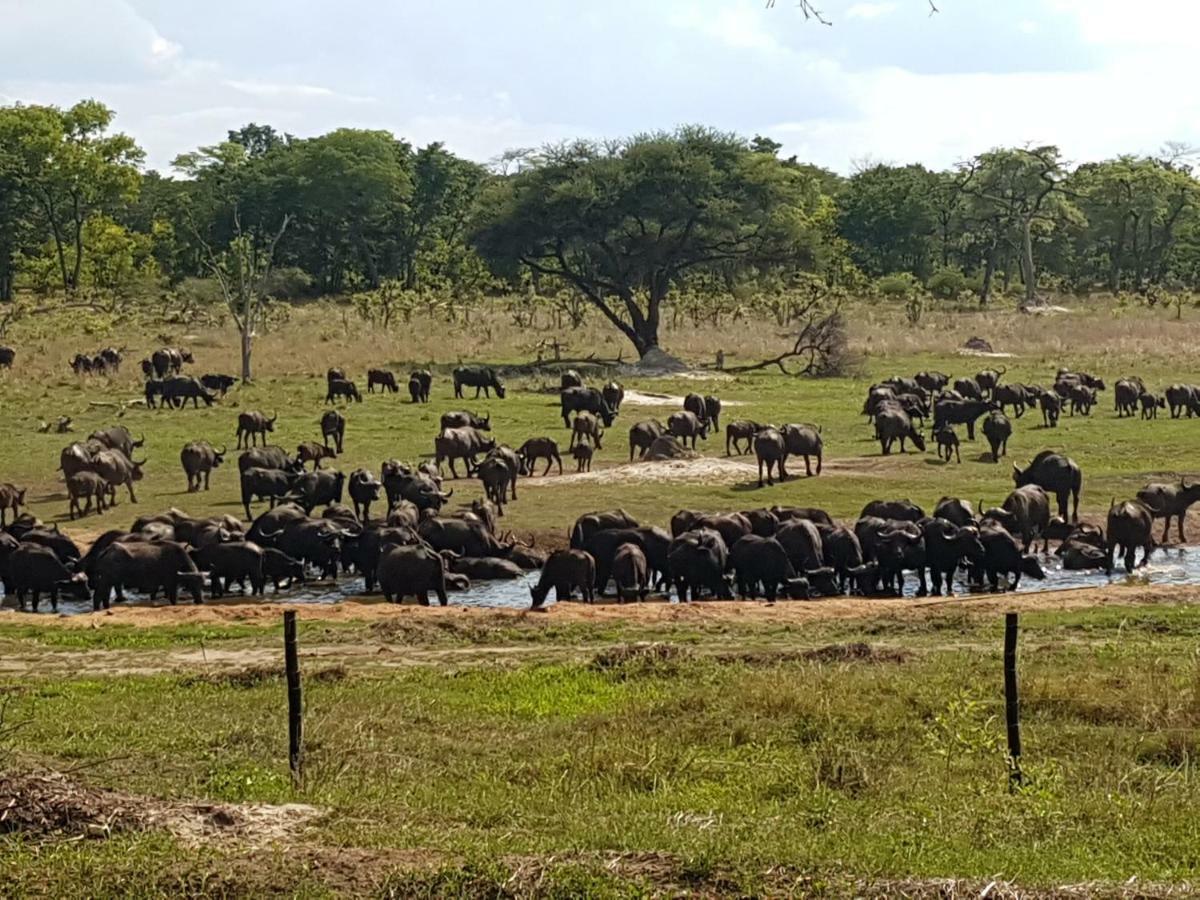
(385, 379)
(582, 399)
(686, 424)
(333, 427)
(771, 451)
(742, 430)
(565, 570)
(85, 486)
(482, 378)
(1183, 398)
(569, 379)
(7, 355)
(463, 419)
(218, 383)
(266, 484)
(1130, 526)
(642, 435)
(539, 448)
(997, 429)
(988, 379)
(587, 428)
(960, 412)
(893, 424)
(420, 383)
(1170, 500)
(36, 569)
(117, 438)
(412, 571)
(1056, 474)
(1051, 407)
(253, 426)
(268, 458)
(168, 360)
(178, 389)
(199, 458)
(343, 389)
(364, 490)
(312, 452)
(118, 469)
(614, 396)
(318, 488)
(11, 497)
(460, 443)
(804, 440)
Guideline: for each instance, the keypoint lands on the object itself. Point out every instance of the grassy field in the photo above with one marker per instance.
(849, 748)
(1117, 457)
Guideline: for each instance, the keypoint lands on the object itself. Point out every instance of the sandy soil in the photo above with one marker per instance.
(638, 398)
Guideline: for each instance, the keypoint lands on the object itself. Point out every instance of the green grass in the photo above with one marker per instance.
(1117, 456)
(725, 758)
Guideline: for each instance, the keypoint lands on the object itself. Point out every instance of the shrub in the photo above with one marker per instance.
(947, 283)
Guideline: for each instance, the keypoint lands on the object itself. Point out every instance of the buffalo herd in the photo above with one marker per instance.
(418, 546)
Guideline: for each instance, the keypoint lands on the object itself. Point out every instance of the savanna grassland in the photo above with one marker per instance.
(833, 748)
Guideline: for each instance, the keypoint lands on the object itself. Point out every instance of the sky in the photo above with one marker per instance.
(886, 82)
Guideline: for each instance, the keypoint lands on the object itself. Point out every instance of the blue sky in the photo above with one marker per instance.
(886, 82)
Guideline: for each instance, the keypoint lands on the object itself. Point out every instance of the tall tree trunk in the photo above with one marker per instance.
(246, 348)
(1027, 270)
(989, 270)
(247, 335)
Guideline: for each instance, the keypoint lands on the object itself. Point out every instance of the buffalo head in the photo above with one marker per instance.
(271, 422)
(1031, 567)
(137, 473)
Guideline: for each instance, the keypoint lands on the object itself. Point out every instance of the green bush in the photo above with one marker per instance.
(896, 286)
(946, 283)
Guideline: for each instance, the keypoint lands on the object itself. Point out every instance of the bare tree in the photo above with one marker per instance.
(819, 343)
(810, 10)
(242, 271)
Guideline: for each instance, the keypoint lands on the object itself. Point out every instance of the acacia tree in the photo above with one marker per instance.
(237, 251)
(1010, 191)
(625, 222)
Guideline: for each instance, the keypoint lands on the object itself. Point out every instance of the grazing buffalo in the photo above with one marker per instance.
(931, 382)
(385, 379)
(420, 383)
(686, 424)
(893, 424)
(1056, 474)
(198, 459)
(540, 448)
(1130, 526)
(178, 389)
(253, 426)
(117, 437)
(218, 383)
(462, 419)
(804, 440)
(642, 435)
(118, 469)
(770, 448)
(1014, 395)
(333, 428)
(1167, 501)
(268, 458)
(565, 571)
(583, 399)
(960, 412)
(968, 389)
(997, 429)
(312, 452)
(34, 569)
(460, 443)
(739, 431)
(340, 388)
(482, 378)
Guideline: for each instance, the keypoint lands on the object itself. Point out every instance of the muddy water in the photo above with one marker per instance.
(1177, 565)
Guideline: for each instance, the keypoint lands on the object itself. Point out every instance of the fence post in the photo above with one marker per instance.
(291, 661)
(1012, 706)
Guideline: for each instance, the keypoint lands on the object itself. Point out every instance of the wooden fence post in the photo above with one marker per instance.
(291, 661)
(1012, 706)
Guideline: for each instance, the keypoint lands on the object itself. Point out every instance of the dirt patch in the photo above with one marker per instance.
(701, 470)
(55, 805)
(252, 676)
(642, 398)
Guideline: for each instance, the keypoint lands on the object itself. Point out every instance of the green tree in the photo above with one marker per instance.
(72, 169)
(624, 223)
(890, 216)
(1010, 194)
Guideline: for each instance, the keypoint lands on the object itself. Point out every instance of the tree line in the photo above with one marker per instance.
(624, 227)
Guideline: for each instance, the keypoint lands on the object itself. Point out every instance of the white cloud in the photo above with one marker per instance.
(870, 10)
(291, 91)
(741, 27)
